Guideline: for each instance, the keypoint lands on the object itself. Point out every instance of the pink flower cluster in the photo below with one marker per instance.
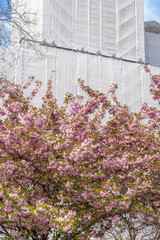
(68, 171)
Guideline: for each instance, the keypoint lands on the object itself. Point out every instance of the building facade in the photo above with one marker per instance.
(152, 42)
(101, 42)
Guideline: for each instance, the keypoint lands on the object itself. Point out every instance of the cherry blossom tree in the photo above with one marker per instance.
(71, 173)
(143, 225)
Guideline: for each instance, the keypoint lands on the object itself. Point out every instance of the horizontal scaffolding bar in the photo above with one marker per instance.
(53, 45)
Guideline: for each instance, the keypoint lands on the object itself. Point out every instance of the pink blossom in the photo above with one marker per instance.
(146, 68)
(65, 169)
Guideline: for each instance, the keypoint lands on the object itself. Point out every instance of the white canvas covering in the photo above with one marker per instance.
(126, 29)
(65, 67)
(109, 35)
(132, 85)
(111, 26)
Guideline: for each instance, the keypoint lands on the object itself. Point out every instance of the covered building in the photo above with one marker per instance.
(101, 42)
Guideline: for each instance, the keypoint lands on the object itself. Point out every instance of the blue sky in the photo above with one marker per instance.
(152, 10)
(5, 31)
(2, 2)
